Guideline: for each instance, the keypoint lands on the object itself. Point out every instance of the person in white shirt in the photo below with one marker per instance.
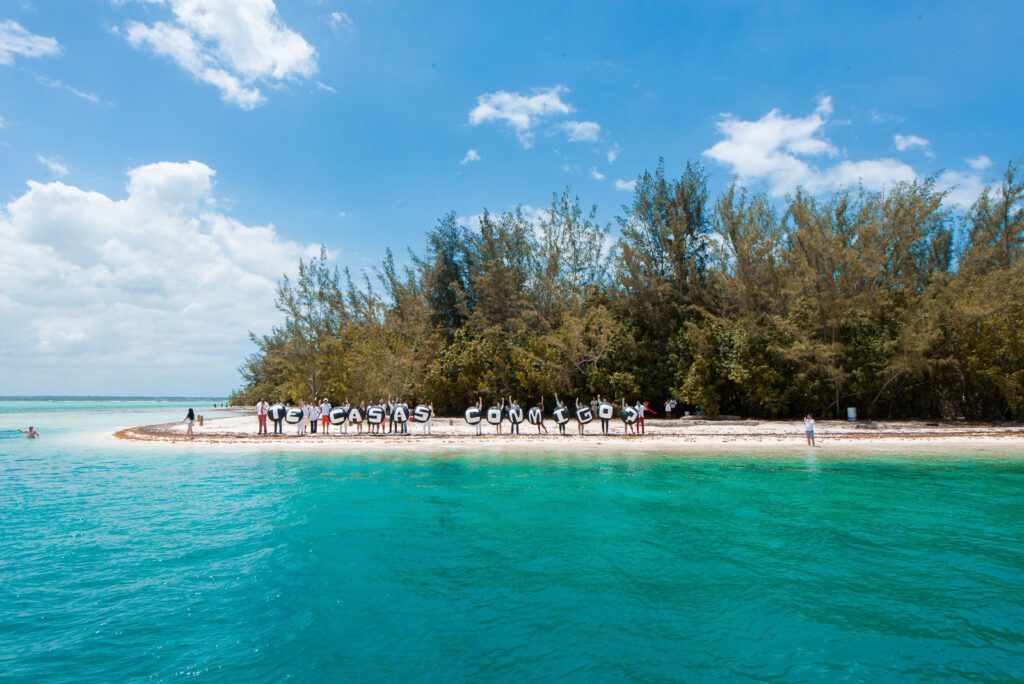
(346, 407)
(809, 429)
(261, 413)
(300, 429)
(428, 421)
(314, 417)
(325, 415)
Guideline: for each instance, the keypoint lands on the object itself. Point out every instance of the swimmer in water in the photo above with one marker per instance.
(31, 432)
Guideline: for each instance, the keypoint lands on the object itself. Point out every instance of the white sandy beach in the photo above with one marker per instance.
(682, 435)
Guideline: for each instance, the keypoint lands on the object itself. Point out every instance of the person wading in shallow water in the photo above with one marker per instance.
(809, 429)
(32, 434)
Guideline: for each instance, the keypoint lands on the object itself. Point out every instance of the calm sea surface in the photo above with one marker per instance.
(121, 562)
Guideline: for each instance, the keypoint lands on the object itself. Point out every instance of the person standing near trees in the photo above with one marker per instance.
(626, 427)
(641, 409)
(277, 422)
(429, 420)
(314, 416)
(346, 407)
(604, 421)
(512, 425)
(300, 428)
(541, 424)
(809, 429)
(559, 404)
(325, 415)
(261, 415)
(579, 423)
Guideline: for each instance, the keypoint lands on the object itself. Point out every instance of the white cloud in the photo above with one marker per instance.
(979, 163)
(595, 174)
(323, 86)
(625, 185)
(905, 142)
(56, 168)
(16, 40)
(230, 44)
(613, 154)
(471, 156)
(521, 113)
(74, 91)
(581, 131)
(339, 19)
(962, 188)
(151, 293)
(773, 149)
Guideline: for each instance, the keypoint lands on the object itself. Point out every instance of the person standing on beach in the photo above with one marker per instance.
(501, 407)
(541, 424)
(626, 427)
(604, 421)
(300, 427)
(559, 404)
(314, 415)
(480, 423)
(261, 415)
(190, 419)
(362, 412)
(579, 423)
(643, 409)
(809, 429)
(512, 426)
(325, 415)
(277, 422)
(429, 420)
(31, 432)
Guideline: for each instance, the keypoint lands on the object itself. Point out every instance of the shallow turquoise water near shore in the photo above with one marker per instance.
(127, 562)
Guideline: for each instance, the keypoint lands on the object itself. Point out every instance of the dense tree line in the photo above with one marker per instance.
(886, 301)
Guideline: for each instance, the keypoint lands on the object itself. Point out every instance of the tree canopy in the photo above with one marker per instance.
(886, 301)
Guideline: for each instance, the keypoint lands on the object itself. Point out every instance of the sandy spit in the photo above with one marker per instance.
(661, 435)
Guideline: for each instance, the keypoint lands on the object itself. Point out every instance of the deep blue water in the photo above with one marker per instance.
(123, 562)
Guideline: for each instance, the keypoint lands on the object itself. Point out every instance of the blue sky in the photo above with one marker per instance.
(163, 162)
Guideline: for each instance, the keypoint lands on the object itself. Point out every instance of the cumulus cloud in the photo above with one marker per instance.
(613, 154)
(625, 184)
(962, 188)
(16, 40)
(979, 163)
(471, 156)
(151, 293)
(581, 131)
(56, 168)
(521, 113)
(230, 44)
(775, 149)
(906, 142)
(595, 174)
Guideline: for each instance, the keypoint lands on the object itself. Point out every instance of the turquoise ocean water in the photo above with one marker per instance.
(127, 562)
